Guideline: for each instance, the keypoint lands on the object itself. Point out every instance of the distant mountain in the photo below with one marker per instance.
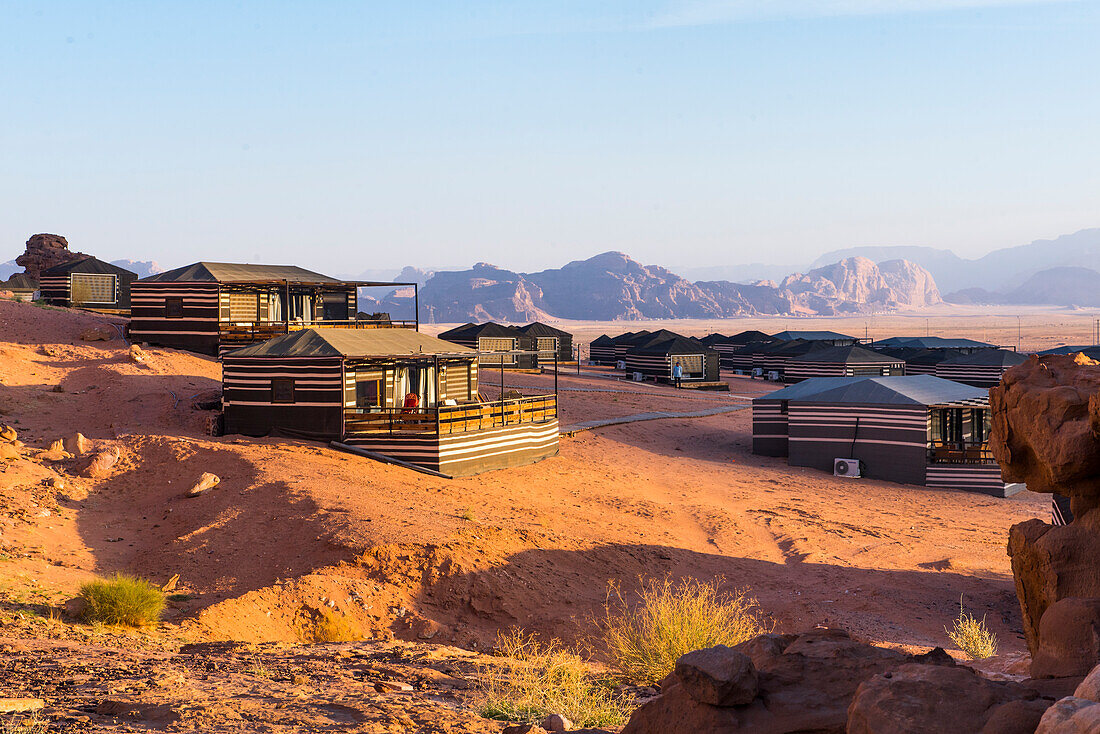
(1000, 270)
(612, 286)
(9, 269)
(1065, 286)
(143, 268)
(736, 273)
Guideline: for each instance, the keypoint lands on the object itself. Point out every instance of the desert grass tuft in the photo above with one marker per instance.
(331, 627)
(972, 636)
(123, 600)
(23, 725)
(531, 679)
(670, 619)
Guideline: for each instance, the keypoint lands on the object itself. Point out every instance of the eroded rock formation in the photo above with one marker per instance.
(45, 251)
(1046, 432)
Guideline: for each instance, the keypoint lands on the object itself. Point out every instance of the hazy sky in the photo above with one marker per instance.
(357, 135)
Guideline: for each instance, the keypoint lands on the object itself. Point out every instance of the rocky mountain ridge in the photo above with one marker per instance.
(612, 286)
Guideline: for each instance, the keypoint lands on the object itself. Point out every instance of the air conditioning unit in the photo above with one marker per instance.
(846, 467)
(757, 371)
(773, 376)
(639, 377)
(620, 365)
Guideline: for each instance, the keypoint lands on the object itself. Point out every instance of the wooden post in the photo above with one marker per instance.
(435, 359)
(416, 305)
(502, 421)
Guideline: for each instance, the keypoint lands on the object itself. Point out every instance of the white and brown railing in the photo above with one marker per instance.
(250, 332)
(450, 419)
(960, 452)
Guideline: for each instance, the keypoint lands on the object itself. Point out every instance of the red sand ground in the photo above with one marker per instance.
(296, 527)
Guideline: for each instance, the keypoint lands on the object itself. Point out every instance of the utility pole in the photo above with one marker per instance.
(1019, 330)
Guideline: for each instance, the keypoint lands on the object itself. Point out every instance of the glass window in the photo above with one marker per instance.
(368, 393)
(173, 308)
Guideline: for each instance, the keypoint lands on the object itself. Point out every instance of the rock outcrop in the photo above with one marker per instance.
(45, 251)
(824, 681)
(1046, 432)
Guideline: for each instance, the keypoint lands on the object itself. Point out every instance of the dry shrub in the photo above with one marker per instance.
(122, 600)
(331, 627)
(23, 725)
(672, 619)
(972, 636)
(531, 680)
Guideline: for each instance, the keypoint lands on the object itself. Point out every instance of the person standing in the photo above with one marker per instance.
(677, 374)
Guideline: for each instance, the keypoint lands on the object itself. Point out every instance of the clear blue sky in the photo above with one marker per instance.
(348, 136)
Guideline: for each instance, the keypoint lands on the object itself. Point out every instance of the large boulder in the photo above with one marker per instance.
(44, 251)
(1069, 639)
(804, 683)
(915, 699)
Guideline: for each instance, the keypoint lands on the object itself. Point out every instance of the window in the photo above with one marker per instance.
(173, 308)
(244, 307)
(282, 390)
(92, 288)
(368, 393)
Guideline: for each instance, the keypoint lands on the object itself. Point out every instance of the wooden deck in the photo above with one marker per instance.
(451, 419)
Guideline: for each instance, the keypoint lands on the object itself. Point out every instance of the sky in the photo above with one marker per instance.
(351, 136)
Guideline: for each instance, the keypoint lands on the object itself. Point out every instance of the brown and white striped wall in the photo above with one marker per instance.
(985, 478)
(195, 330)
(971, 374)
(54, 289)
(769, 427)
(318, 407)
(602, 353)
(797, 371)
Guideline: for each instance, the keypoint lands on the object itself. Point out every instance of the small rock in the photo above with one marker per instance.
(97, 334)
(719, 676)
(523, 729)
(102, 463)
(8, 452)
(556, 722)
(20, 705)
(77, 444)
(56, 452)
(383, 686)
(170, 584)
(206, 481)
(7, 433)
(137, 354)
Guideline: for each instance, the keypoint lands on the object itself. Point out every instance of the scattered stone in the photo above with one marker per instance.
(8, 452)
(383, 686)
(7, 433)
(523, 729)
(170, 585)
(137, 354)
(77, 444)
(924, 698)
(56, 452)
(557, 722)
(718, 675)
(97, 334)
(102, 463)
(1071, 715)
(21, 705)
(206, 481)
(75, 607)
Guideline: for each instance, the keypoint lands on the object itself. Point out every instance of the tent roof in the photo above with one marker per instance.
(210, 272)
(1087, 350)
(901, 390)
(811, 335)
(853, 353)
(91, 265)
(932, 342)
(19, 282)
(602, 340)
(352, 343)
(812, 386)
(989, 358)
(537, 328)
(750, 336)
(632, 337)
(476, 331)
(675, 344)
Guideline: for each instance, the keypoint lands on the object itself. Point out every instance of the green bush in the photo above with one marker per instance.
(123, 600)
(672, 619)
(972, 636)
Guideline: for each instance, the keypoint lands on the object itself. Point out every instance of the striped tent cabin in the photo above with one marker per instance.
(957, 346)
(727, 346)
(740, 360)
(492, 337)
(214, 308)
(553, 345)
(980, 369)
(656, 359)
(840, 362)
(771, 360)
(602, 351)
(87, 283)
(919, 361)
(911, 429)
(21, 286)
(397, 392)
(625, 342)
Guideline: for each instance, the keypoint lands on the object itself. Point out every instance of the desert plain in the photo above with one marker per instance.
(429, 570)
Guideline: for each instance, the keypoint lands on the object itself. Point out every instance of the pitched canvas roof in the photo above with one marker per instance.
(750, 336)
(811, 335)
(537, 328)
(902, 390)
(351, 343)
(853, 353)
(1087, 350)
(675, 344)
(602, 340)
(932, 342)
(19, 282)
(238, 273)
(812, 386)
(989, 358)
(91, 265)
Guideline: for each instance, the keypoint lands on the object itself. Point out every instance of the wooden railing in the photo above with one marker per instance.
(450, 419)
(251, 332)
(960, 452)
